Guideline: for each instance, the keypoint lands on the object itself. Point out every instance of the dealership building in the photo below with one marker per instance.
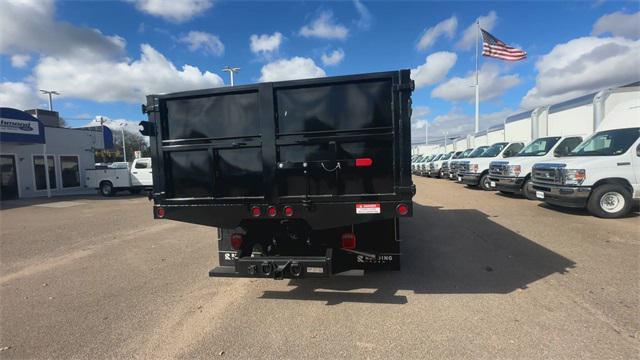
(33, 144)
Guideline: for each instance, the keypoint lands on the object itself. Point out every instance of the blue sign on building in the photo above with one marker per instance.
(19, 127)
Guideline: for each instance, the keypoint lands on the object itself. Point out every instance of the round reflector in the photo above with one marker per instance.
(402, 209)
(271, 211)
(288, 211)
(236, 241)
(160, 212)
(255, 211)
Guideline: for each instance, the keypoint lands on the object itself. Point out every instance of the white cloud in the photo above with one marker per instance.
(83, 63)
(583, 65)
(208, 43)
(265, 43)
(123, 80)
(20, 61)
(324, 27)
(291, 69)
(492, 85)
(29, 27)
(365, 20)
(445, 27)
(618, 24)
(173, 10)
(334, 58)
(18, 95)
(457, 123)
(468, 39)
(435, 68)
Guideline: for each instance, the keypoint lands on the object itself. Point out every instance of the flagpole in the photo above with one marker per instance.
(477, 82)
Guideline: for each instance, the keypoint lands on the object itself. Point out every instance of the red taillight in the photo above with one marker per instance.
(364, 162)
(288, 211)
(402, 209)
(236, 241)
(271, 211)
(255, 211)
(160, 212)
(348, 241)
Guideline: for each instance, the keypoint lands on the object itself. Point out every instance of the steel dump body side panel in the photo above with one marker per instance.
(292, 142)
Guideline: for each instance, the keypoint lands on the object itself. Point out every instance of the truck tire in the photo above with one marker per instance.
(485, 182)
(609, 201)
(525, 194)
(106, 188)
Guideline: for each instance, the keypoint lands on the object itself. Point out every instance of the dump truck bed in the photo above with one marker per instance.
(336, 150)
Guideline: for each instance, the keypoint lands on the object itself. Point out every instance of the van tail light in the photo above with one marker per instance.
(271, 211)
(255, 211)
(402, 209)
(364, 162)
(160, 212)
(288, 211)
(348, 241)
(236, 240)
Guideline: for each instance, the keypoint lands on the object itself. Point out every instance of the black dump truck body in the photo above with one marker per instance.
(302, 178)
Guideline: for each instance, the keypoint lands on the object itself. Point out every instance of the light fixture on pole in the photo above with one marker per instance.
(231, 71)
(50, 92)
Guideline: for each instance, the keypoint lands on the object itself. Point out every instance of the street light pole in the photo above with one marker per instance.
(50, 92)
(124, 147)
(231, 71)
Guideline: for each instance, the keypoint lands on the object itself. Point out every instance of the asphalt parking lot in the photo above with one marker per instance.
(484, 276)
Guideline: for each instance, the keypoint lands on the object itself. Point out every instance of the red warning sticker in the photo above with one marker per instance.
(367, 208)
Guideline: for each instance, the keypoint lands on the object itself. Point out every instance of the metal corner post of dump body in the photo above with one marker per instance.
(304, 178)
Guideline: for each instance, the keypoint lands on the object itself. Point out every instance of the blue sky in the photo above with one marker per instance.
(103, 56)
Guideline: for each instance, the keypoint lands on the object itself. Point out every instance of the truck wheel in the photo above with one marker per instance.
(609, 201)
(106, 188)
(527, 195)
(485, 182)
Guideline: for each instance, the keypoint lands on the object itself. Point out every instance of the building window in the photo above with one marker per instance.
(38, 171)
(70, 171)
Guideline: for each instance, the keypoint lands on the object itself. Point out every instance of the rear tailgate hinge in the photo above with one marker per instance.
(404, 87)
(146, 109)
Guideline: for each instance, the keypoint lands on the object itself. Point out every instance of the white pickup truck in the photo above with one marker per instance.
(514, 175)
(110, 180)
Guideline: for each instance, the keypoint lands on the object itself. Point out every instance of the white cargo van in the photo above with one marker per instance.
(435, 167)
(514, 175)
(475, 172)
(110, 180)
(602, 173)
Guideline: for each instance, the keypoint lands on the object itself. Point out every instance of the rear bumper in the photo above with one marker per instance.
(471, 179)
(508, 184)
(568, 196)
(278, 267)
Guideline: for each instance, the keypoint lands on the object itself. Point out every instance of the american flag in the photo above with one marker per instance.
(493, 47)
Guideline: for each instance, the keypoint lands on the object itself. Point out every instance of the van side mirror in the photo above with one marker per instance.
(638, 150)
(561, 151)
